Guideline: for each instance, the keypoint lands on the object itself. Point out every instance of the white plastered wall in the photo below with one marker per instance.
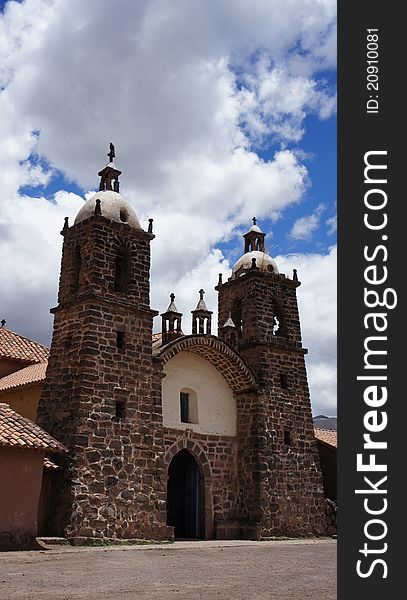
(216, 404)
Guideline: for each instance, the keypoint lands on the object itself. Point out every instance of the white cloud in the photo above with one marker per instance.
(31, 247)
(184, 90)
(304, 227)
(317, 305)
(332, 225)
(275, 102)
(186, 289)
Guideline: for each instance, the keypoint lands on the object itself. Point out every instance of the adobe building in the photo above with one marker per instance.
(194, 435)
(23, 445)
(327, 445)
(23, 364)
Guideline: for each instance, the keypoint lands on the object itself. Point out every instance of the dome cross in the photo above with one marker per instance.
(111, 154)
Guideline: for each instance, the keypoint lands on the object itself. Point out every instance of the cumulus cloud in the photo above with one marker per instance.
(275, 102)
(186, 91)
(31, 247)
(304, 227)
(318, 309)
(332, 225)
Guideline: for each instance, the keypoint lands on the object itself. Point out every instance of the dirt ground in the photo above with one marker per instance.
(283, 570)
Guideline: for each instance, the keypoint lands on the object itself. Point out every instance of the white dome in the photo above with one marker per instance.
(113, 207)
(263, 261)
(255, 228)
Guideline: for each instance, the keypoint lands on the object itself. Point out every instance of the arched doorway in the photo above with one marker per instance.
(185, 498)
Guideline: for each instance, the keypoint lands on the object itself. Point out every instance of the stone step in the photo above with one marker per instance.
(52, 541)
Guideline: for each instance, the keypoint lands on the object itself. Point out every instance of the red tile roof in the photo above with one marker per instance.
(50, 464)
(30, 374)
(18, 347)
(328, 436)
(18, 432)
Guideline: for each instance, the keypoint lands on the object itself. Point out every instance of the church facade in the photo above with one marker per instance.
(192, 436)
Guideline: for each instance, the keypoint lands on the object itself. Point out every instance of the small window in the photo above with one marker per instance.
(184, 401)
(284, 381)
(120, 409)
(188, 406)
(77, 268)
(120, 340)
(123, 215)
(287, 437)
(122, 264)
(237, 315)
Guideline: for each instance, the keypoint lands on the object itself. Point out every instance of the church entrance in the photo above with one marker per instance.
(185, 496)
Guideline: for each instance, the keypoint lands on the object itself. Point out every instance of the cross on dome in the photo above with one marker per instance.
(111, 154)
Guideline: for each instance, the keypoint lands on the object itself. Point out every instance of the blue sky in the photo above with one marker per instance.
(219, 112)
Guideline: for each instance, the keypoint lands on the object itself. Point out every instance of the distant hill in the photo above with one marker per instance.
(324, 422)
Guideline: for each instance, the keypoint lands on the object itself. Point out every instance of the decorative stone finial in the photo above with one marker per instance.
(3, 322)
(171, 322)
(201, 317)
(150, 225)
(65, 227)
(171, 307)
(220, 279)
(295, 276)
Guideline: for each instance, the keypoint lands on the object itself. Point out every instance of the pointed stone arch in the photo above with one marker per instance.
(195, 449)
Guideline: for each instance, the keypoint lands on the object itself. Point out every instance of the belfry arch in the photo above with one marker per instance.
(233, 368)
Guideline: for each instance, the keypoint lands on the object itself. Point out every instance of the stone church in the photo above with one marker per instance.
(198, 435)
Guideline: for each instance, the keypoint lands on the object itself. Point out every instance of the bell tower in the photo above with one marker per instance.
(98, 397)
(262, 305)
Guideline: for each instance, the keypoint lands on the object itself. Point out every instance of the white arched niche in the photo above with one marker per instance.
(212, 405)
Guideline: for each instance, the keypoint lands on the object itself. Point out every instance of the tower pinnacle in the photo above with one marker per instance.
(110, 174)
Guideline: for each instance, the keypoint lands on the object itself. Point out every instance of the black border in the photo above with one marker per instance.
(359, 132)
